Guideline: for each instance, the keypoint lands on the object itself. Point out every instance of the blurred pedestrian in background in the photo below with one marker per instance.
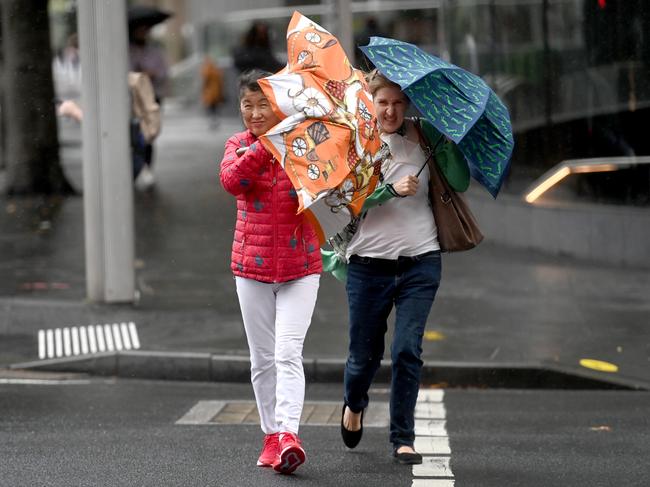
(211, 89)
(255, 50)
(370, 29)
(66, 70)
(146, 56)
(144, 123)
(146, 119)
(277, 265)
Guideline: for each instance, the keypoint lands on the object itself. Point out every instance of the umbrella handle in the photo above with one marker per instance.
(423, 165)
(429, 152)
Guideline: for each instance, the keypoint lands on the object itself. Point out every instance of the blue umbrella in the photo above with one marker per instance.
(458, 103)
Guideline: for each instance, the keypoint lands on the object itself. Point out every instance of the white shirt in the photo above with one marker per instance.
(401, 226)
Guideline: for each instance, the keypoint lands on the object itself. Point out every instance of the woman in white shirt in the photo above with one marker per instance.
(393, 261)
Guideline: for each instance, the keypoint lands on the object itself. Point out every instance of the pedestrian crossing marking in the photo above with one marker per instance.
(432, 410)
(433, 467)
(430, 427)
(85, 340)
(432, 483)
(432, 445)
(432, 441)
(314, 413)
(430, 395)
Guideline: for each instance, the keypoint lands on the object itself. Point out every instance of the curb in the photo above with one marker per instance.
(233, 368)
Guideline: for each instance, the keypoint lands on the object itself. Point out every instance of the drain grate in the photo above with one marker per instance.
(314, 413)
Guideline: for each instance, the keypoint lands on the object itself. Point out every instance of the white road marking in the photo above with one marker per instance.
(433, 467)
(116, 337)
(109, 338)
(58, 343)
(73, 340)
(67, 346)
(134, 335)
(432, 483)
(431, 441)
(434, 410)
(83, 338)
(43, 382)
(431, 395)
(41, 344)
(76, 349)
(101, 344)
(432, 445)
(92, 341)
(50, 343)
(430, 427)
(125, 336)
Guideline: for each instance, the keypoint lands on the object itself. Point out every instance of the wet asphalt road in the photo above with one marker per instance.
(122, 432)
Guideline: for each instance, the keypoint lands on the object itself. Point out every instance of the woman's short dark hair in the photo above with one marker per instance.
(248, 80)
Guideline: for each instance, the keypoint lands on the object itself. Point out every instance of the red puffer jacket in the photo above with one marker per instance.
(272, 243)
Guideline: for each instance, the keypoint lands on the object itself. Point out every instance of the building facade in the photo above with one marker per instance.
(575, 74)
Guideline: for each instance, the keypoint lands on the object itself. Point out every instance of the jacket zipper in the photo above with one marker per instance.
(243, 237)
(300, 231)
(274, 172)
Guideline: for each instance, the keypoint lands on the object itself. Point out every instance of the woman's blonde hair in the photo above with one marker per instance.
(376, 81)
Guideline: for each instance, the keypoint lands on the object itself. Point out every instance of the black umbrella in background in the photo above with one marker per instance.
(143, 15)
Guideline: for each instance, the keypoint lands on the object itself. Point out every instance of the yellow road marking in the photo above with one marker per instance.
(433, 336)
(599, 365)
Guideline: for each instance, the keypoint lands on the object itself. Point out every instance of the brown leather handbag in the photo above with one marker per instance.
(457, 226)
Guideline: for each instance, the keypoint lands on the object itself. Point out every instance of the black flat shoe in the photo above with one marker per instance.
(408, 458)
(351, 438)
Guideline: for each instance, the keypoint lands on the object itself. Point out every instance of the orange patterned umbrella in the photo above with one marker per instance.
(328, 141)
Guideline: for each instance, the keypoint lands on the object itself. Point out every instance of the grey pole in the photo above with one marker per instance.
(107, 172)
(443, 45)
(330, 18)
(344, 33)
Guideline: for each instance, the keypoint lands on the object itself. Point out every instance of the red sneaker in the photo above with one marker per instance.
(270, 451)
(291, 454)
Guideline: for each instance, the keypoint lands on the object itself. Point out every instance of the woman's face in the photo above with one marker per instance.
(256, 112)
(390, 105)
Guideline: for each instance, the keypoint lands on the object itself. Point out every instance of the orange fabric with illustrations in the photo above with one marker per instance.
(328, 139)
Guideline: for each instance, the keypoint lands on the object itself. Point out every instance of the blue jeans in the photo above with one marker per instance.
(374, 286)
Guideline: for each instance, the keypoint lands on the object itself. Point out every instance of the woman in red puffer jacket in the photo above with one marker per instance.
(277, 264)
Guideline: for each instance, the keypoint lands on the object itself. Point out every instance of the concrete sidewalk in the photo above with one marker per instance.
(499, 310)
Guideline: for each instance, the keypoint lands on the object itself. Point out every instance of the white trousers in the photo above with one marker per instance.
(276, 318)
